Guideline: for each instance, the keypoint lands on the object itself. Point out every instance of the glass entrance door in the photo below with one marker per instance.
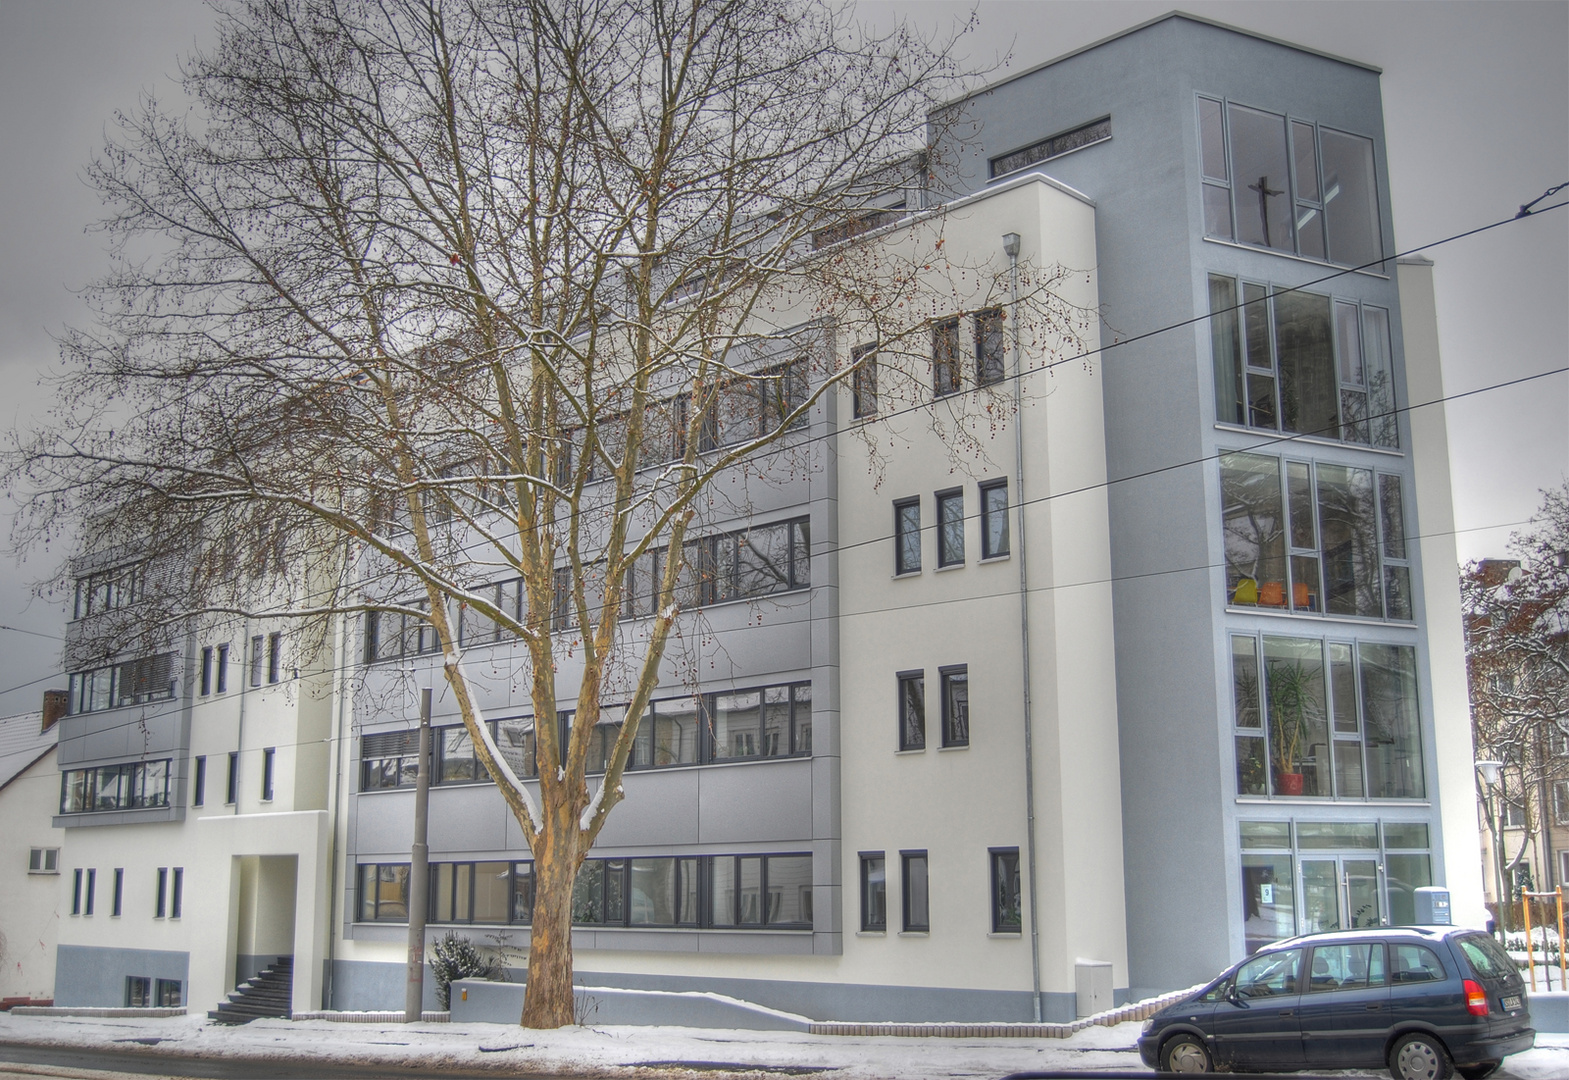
(1339, 894)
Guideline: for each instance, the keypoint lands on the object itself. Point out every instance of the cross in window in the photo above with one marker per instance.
(1264, 193)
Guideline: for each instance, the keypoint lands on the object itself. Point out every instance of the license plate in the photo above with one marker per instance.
(1512, 1003)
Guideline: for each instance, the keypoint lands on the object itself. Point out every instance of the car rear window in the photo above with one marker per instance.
(1486, 957)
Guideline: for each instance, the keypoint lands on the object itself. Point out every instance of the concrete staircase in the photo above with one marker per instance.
(268, 994)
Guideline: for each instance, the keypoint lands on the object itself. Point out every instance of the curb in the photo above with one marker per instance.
(1138, 1010)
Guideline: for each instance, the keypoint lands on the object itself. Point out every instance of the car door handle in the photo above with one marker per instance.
(1286, 1012)
(1373, 1006)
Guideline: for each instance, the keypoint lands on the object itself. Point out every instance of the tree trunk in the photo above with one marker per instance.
(547, 1001)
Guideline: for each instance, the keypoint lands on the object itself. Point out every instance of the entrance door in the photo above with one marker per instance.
(1340, 893)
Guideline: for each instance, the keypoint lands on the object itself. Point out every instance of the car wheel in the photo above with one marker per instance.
(1478, 1072)
(1185, 1054)
(1419, 1057)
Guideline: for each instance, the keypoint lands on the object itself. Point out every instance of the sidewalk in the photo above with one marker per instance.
(599, 1051)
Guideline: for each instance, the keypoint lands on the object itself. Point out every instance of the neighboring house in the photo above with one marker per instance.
(30, 891)
(1238, 686)
(1516, 707)
(1246, 692)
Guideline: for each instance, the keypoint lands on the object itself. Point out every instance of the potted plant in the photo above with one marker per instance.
(1292, 707)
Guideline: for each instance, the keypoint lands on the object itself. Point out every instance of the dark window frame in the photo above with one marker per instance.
(911, 690)
(269, 756)
(117, 900)
(863, 382)
(955, 720)
(950, 527)
(1305, 195)
(1053, 146)
(199, 782)
(1007, 891)
(990, 513)
(874, 892)
(907, 540)
(915, 921)
(991, 346)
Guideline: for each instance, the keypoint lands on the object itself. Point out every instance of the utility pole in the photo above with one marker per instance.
(419, 872)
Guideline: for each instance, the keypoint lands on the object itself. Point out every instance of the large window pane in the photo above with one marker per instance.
(653, 901)
(763, 561)
(1351, 199)
(675, 732)
(1343, 683)
(588, 893)
(1348, 524)
(392, 893)
(1353, 375)
(1389, 703)
(803, 718)
(776, 722)
(1253, 525)
(1338, 835)
(1226, 346)
(749, 890)
(1380, 382)
(615, 891)
(523, 893)
(789, 890)
(721, 891)
(1262, 178)
(1268, 902)
(735, 719)
(1217, 211)
(1212, 139)
(1244, 681)
(515, 740)
(1298, 728)
(1251, 768)
(492, 891)
(1309, 398)
(1405, 874)
(457, 756)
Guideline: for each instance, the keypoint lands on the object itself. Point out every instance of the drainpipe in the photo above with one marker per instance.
(1010, 246)
(245, 692)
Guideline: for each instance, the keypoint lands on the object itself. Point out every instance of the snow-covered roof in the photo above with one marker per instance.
(22, 744)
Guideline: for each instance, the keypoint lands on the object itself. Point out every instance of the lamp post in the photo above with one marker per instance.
(1492, 775)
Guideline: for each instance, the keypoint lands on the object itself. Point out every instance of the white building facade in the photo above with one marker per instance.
(1013, 694)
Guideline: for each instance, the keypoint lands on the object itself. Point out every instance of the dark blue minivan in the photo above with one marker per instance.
(1424, 1000)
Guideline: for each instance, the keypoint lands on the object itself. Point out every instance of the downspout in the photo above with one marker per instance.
(245, 690)
(1010, 245)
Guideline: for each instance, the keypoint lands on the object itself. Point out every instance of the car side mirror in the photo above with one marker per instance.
(1235, 998)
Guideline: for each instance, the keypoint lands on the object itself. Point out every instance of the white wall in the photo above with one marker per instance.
(30, 904)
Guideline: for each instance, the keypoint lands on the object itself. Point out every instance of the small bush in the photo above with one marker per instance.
(455, 957)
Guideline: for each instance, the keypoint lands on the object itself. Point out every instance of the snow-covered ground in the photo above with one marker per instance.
(594, 1049)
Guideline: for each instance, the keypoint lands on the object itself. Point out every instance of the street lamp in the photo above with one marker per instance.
(1492, 775)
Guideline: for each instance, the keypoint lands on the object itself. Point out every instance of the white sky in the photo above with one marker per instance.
(1476, 101)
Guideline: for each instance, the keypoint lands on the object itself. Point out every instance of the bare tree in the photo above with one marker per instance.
(1517, 656)
(426, 294)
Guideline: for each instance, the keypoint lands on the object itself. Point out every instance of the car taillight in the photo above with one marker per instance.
(1475, 998)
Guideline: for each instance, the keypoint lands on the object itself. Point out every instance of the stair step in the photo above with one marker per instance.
(269, 993)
